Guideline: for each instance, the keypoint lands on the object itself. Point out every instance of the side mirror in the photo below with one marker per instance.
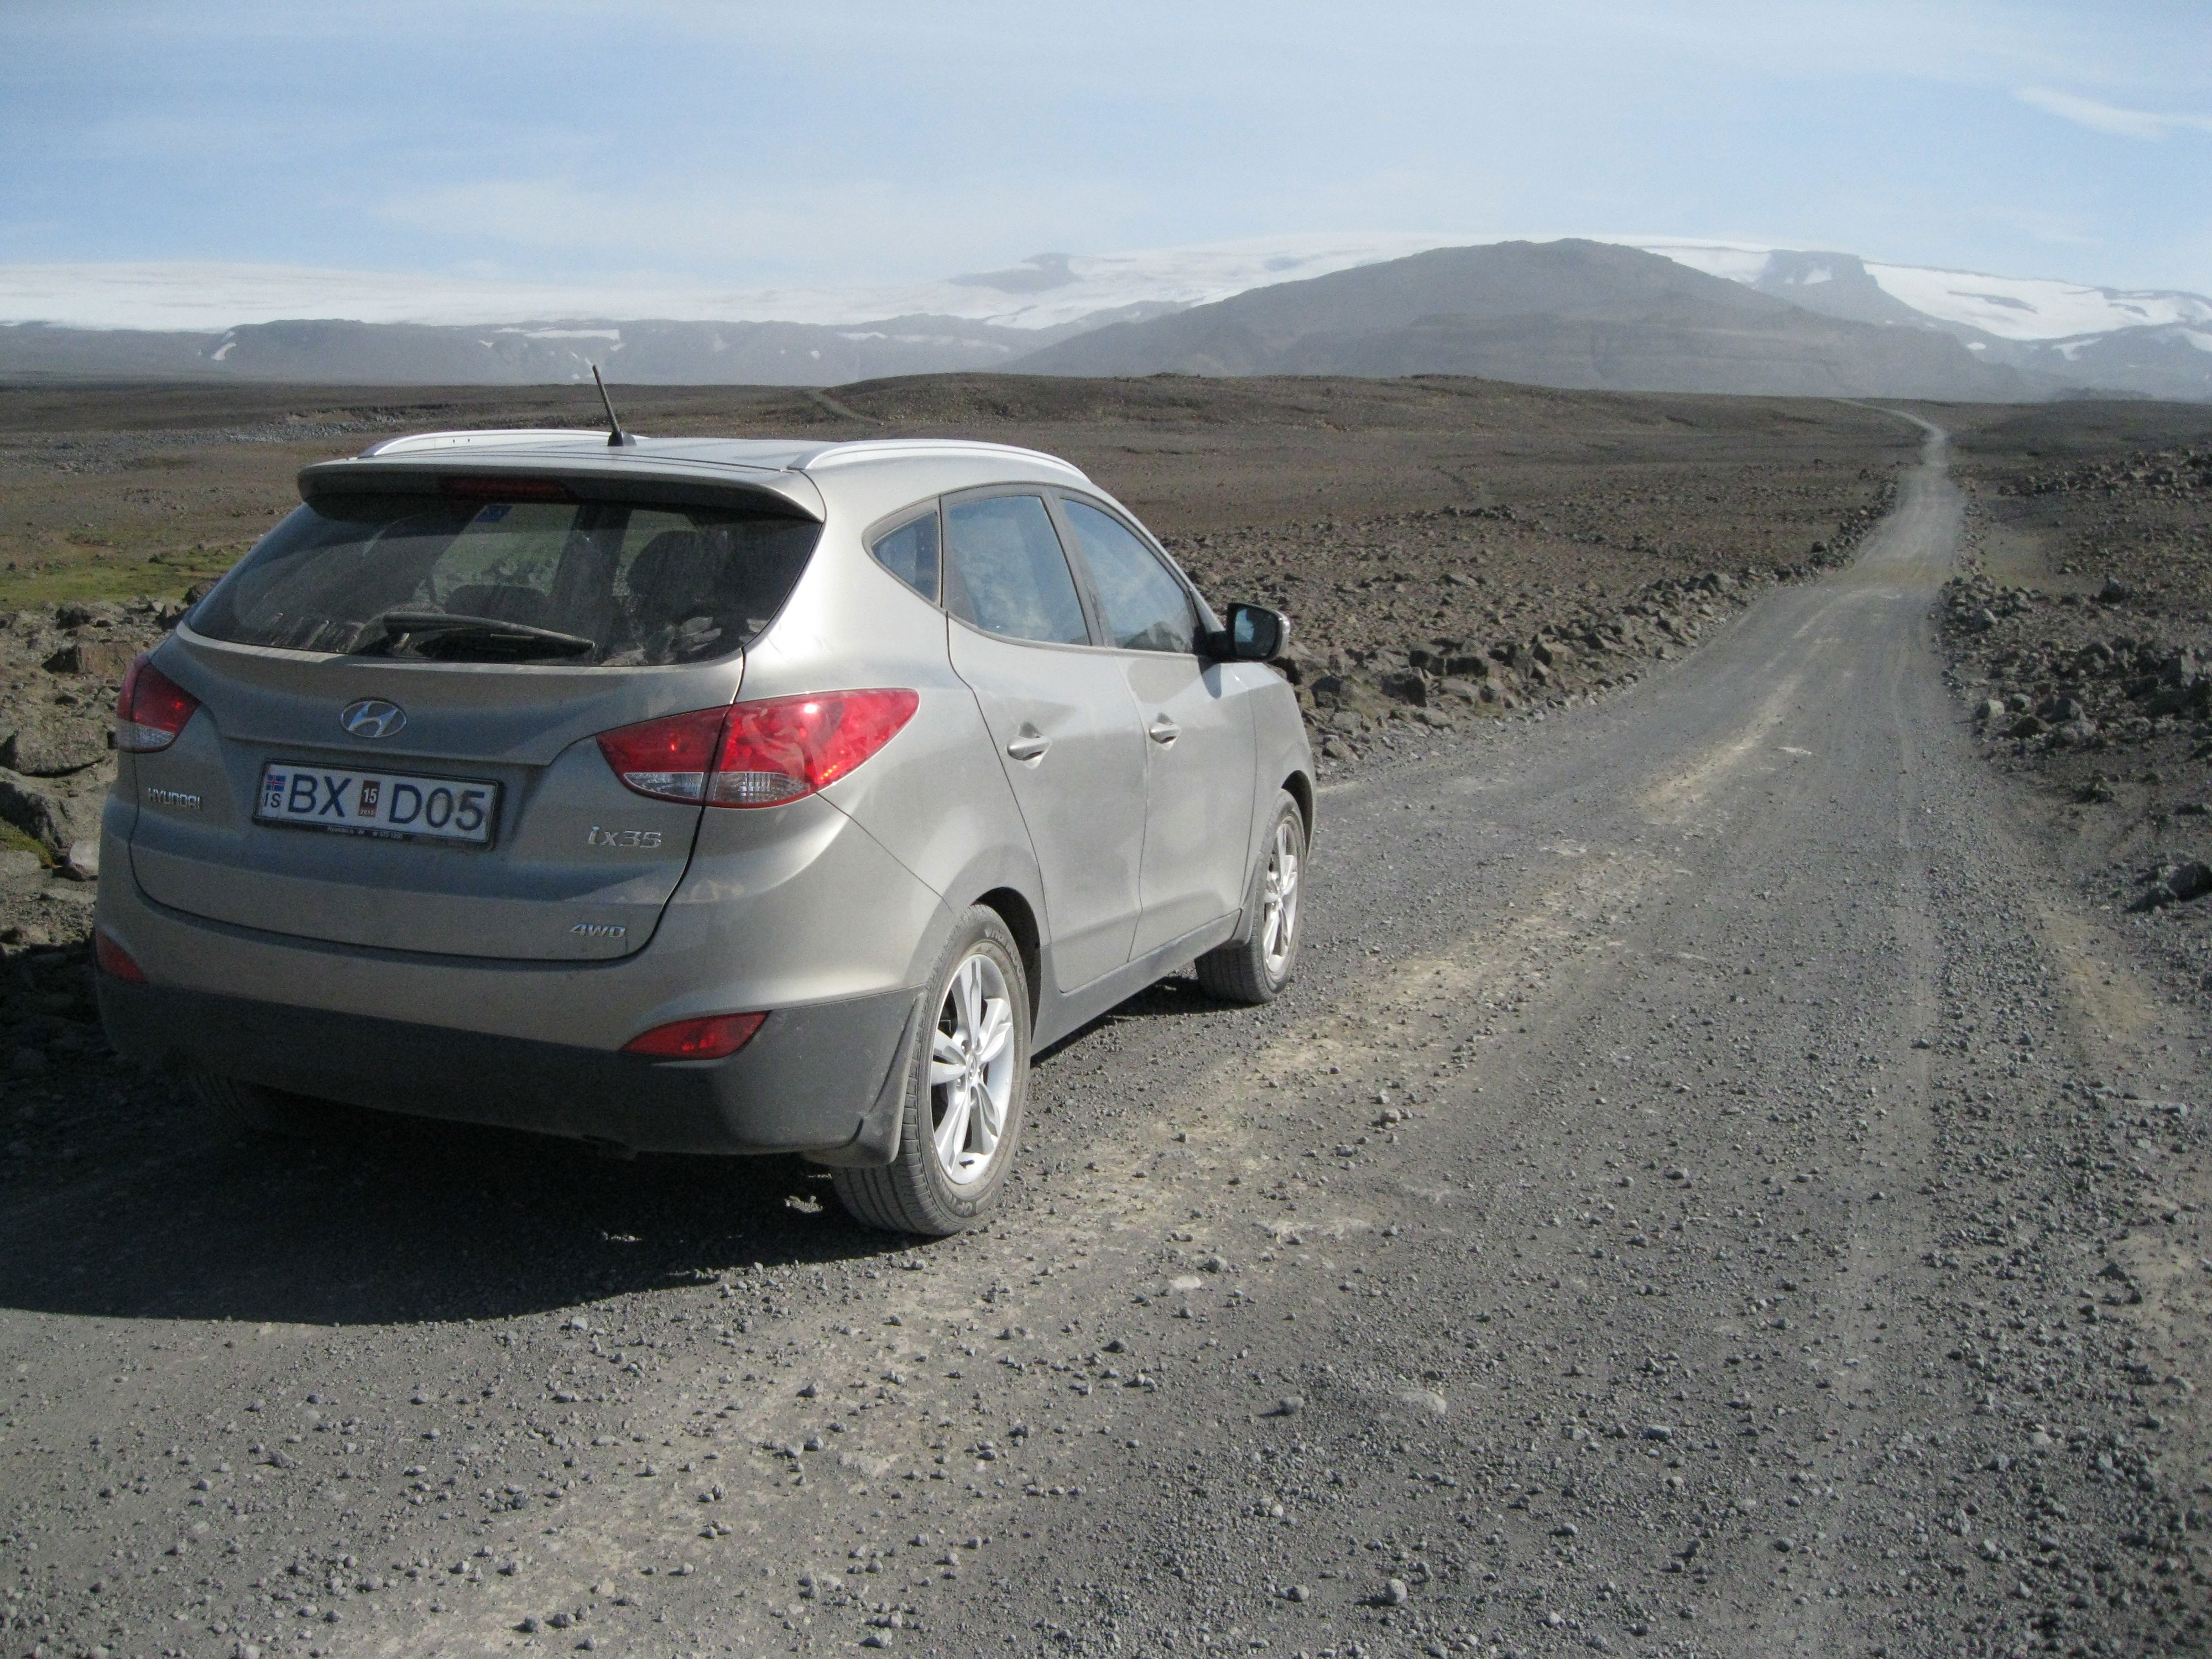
(1254, 634)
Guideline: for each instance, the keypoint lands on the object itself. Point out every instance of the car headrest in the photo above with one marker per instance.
(674, 575)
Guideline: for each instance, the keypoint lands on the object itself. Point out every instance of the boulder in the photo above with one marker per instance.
(1301, 662)
(105, 659)
(1347, 692)
(54, 743)
(2175, 883)
(56, 817)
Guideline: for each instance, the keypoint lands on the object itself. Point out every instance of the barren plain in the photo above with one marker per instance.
(1729, 1179)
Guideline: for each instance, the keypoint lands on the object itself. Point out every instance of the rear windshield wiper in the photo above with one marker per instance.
(440, 634)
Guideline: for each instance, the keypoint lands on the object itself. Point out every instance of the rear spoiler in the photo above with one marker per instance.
(605, 475)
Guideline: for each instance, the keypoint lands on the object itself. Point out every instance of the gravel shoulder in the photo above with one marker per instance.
(1715, 1188)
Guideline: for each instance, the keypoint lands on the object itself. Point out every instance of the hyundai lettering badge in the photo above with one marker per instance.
(372, 717)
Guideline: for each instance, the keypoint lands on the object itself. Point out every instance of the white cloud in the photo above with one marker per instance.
(2110, 118)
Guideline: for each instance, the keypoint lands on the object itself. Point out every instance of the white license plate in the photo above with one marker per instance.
(378, 803)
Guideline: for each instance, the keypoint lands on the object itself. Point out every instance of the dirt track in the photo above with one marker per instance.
(1711, 1190)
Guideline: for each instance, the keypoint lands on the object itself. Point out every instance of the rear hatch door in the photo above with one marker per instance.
(365, 782)
(571, 864)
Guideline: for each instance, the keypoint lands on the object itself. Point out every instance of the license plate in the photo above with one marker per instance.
(391, 803)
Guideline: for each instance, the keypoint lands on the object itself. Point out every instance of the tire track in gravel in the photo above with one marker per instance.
(1342, 1220)
(1118, 1214)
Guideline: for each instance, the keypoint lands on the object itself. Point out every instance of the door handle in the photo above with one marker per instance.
(1029, 746)
(1164, 731)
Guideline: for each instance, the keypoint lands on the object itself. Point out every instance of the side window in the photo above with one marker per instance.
(909, 553)
(1147, 608)
(1011, 576)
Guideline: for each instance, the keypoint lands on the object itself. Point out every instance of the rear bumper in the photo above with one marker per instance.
(823, 1078)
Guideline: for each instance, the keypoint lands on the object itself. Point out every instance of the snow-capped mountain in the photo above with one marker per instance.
(2003, 307)
(222, 319)
(2156, 342)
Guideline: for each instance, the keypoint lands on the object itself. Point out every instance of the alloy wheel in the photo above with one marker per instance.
(1278, 898)
(971, 1070)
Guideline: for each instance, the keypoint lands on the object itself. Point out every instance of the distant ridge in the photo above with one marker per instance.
(640, 353)
(1573, 313)
(1603, 312)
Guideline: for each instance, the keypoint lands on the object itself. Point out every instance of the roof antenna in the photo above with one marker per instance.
(617, 438)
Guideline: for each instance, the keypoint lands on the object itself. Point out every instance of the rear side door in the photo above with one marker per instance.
(1199, 743)
(1061, 715)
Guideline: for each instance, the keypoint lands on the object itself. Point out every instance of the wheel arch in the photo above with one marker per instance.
(1014, 909)
(1301, 790)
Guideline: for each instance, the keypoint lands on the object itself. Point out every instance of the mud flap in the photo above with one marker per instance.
(877, 1144)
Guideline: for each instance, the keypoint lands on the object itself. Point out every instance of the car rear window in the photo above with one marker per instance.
(588, 583)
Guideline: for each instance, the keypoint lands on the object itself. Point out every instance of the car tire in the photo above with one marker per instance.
(252, 1109)
(967, 1090)
(1254, 970)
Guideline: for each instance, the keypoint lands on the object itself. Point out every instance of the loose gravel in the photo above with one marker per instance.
(1716, 1188)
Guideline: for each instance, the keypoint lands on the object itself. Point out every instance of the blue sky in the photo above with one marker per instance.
(835, 144)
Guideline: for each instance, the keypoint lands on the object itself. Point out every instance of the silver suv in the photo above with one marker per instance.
(695, 795)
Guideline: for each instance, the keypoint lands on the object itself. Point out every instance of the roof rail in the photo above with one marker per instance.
(868, 449)
(493, 438)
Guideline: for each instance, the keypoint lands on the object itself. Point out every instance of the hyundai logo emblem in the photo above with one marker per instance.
(372, 717)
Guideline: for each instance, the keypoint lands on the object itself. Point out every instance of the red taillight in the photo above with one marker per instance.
(757, 754)
(714, 1036)
(778, 750)
(668, 759)
(152, 709)
(114, 961)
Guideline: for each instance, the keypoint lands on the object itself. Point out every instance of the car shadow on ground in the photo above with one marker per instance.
(161, 1212)
(1177, 997)
(379, 1221)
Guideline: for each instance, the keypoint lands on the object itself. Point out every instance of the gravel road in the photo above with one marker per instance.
(1711, 1191)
